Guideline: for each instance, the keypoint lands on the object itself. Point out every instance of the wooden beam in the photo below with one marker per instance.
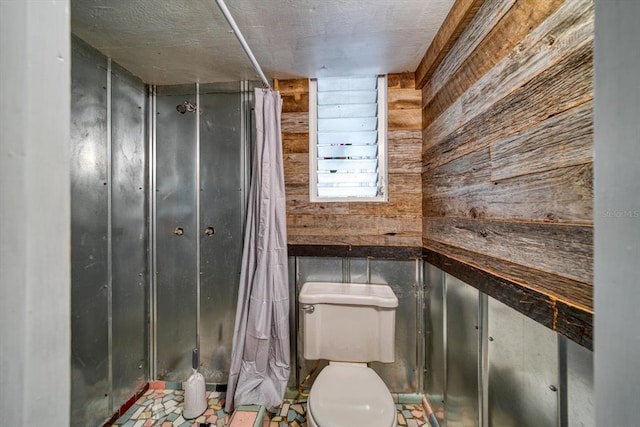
(346, 251)
(563, 250)
(486, 274)
(462, 12)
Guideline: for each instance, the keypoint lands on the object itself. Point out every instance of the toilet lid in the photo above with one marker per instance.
(348, 395)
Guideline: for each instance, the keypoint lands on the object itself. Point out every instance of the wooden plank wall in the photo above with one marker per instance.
(394, 223)
(507, 146)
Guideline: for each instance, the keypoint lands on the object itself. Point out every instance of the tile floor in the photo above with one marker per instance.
(163, 408)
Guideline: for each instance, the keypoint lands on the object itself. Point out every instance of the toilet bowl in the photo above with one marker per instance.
(349, 325)
(347, 394)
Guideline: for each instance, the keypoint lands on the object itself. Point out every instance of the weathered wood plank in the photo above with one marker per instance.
(398, 204)
(401, 81)
(355, 240)
(403, 119)
(404, 151)
(343, 251)
(295, 103)
(300, 204)
(295, 142)
(296, 168)
(292, 86)
(575, 323)
(561, 141)
(297, 189)
(405, 183)
(295, 123)
(564, 86)
(564, 32)
(563, 195)
(464, 171)
(461, 13)
(360, 225)
(565, 250)
(511, 29)
(529, 291)
(482, 23)
(557, 287)
(404, 99)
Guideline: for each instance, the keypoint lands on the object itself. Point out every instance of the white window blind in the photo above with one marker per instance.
(347, 138)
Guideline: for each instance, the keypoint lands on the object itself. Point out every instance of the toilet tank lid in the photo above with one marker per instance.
(348, 293)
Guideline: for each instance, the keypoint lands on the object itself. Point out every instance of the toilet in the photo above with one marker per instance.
(349, 324)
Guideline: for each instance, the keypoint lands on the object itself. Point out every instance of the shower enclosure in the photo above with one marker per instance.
(159, 179)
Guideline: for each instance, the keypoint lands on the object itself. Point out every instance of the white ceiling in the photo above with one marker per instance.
(184, 41)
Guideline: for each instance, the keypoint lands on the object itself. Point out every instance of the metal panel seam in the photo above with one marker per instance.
(109, 241)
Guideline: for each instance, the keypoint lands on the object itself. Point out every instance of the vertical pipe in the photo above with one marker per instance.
(445, 350)
(563, 395)
(483, 359)
(420, 356)
(245, 141)
(197, 212)
(109, 242)
(153, 255)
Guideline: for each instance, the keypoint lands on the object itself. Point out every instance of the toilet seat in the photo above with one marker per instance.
(350, 395)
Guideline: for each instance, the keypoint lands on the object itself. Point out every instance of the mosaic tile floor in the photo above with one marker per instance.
(163, 408)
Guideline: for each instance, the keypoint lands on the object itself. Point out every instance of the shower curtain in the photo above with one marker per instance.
(260, 356)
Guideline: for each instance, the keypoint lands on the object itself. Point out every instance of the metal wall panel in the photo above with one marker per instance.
(523, 370)
(312, 269)
(401, 376)
(359, 270)
(293, 325)
(176, 282)
(129, 235)
(579, 389)
(434, 312)
(462, 349)
(221, 204)
(89, 293)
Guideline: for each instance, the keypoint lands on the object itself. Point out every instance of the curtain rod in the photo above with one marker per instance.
(243, 42)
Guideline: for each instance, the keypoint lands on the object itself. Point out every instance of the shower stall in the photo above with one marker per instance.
(159, 180)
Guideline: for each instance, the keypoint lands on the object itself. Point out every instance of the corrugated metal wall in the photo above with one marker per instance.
(108, 236)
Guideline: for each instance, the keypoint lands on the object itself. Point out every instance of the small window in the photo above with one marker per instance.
(348, 139)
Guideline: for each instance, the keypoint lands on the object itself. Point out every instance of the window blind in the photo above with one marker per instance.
(347, 149)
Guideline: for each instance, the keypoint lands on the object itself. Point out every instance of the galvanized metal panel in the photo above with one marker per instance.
(312, 269)
(523, 370)
(89, 293)
(434, 317)
(462, 349)
(401, 376)
(359, 270)
(176, 253)
(221, 205)
(580, 399)
(129, 235)
(293, 325)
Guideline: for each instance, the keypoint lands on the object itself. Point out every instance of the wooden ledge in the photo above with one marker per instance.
(529, 293)
(346, 251)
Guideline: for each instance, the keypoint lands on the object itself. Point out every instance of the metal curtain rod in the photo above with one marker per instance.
(243, 42)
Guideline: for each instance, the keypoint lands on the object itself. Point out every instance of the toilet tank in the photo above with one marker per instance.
(348, 322)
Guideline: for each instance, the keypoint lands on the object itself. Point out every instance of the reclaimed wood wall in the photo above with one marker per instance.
(394, 223)
(507, 134)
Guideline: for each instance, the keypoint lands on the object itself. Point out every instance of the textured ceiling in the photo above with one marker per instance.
(184, 41)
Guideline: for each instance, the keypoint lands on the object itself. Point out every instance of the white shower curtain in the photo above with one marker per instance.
(260, 357)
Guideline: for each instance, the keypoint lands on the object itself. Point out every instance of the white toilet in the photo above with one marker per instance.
(349, 324)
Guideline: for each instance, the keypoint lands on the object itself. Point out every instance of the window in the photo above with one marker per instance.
(348, 139)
